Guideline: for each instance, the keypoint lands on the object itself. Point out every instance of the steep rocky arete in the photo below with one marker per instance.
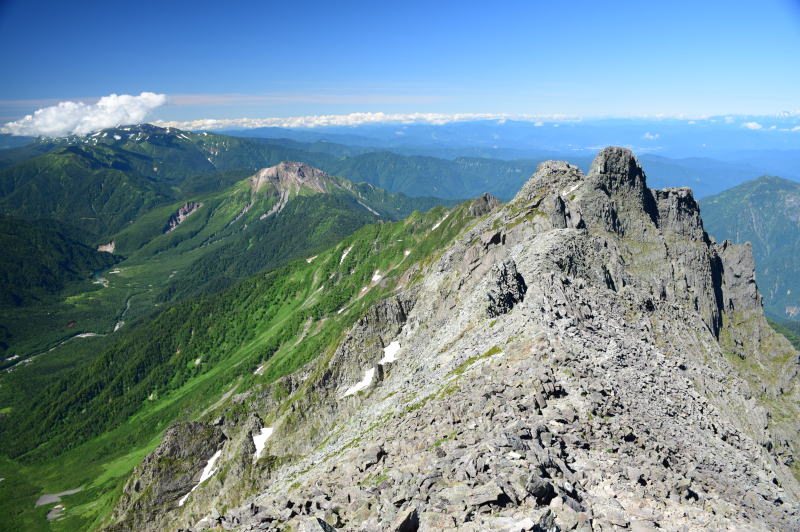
(584, 357)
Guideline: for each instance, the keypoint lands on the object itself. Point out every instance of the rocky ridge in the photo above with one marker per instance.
(582, 358)
(181, 214)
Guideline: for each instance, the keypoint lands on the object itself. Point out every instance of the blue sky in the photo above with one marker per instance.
(260, 59)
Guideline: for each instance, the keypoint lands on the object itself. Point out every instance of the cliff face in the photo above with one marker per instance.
(584, 357)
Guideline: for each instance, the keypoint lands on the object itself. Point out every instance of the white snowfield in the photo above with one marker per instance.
(344, 254)
(390, 353)
(361, 385)
(436, 226)
(260, 440)
(208, 471)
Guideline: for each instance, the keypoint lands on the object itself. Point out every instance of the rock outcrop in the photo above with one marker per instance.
(166, 474)
(483, 205)
(582, 358)
(181, 214)
(108, 248)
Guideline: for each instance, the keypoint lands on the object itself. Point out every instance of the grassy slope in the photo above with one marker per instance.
(120, 405)
(791, 330)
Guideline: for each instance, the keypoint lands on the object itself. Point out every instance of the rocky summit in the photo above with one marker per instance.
(584, 357)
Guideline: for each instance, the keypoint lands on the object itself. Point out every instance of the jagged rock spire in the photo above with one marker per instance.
(616, 167)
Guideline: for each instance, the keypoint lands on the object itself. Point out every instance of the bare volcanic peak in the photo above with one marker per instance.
(290, 176)
(584, 357)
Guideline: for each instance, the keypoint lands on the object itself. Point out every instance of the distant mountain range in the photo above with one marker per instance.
(766, 213)
(768, 145)
(414, 164)
(126, 185)
(186, 214)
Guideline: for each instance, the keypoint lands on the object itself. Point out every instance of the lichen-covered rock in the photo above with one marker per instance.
(166, 475)
(483, 205)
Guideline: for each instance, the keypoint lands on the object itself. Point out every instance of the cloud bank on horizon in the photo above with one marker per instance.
(359, 119)
(78, 118)
(354, 119)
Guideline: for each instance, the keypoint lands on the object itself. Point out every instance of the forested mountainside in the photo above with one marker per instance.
(199, 246)
(39, 261)
(766, 213)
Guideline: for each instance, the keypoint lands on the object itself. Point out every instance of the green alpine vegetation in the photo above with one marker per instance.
(791, 330)
(766, 213)
(91, 426)
(206, 243)
(102, 182)
(40, 261)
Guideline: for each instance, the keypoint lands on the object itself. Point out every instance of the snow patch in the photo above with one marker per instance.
(208, 471)
(571, 190)
(344, 254)
(437, 224)
(311, 259)
(376, 276)
(406, 253)
(362, 384)
(373, 211)
(390, 353)
(117, 137)
(260, 440)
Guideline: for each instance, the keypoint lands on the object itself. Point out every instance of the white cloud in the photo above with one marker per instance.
(729, 120)
(353, 119)
(650, 136)
(752, 125)
(78, 118)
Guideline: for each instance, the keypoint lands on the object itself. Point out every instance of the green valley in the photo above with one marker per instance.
(91, 426)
